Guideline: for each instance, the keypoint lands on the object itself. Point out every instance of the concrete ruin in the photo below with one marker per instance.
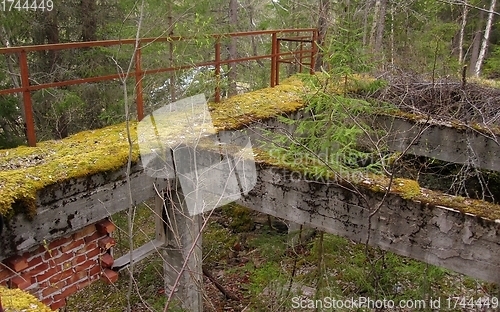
(70, 236)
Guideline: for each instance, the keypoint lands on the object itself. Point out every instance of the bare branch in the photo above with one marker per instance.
(465, 3)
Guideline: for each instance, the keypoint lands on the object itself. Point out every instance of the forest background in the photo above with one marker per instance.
(431, 37)
(434, 39)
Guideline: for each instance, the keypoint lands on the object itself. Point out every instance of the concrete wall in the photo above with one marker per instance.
(72, 205)
(443, 141)
(437, 235)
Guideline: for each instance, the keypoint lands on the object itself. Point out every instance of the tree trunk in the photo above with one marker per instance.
(251, 14)
(476, 43)
(89, 20)
(484, 45)
(232, 75)
(462, 32)
(365, 22)
(392, 35)
(377, 31)
(324, 13)
(52, 35)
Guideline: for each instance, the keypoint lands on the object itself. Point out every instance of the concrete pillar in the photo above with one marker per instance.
(294, 233)
(183, 241)
(299, 234)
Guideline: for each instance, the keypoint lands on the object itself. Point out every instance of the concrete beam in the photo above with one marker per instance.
(64, 208)
(437, 235)
(182, 252)
(442, 140)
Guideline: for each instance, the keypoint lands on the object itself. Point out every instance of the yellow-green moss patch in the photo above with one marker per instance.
(452, 123)
(26, 170)
(16, 300)
(408, 189)
(239, 110)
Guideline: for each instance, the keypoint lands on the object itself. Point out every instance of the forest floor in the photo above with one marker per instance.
(256, 264)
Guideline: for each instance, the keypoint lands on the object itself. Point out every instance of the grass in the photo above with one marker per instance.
(262, 271)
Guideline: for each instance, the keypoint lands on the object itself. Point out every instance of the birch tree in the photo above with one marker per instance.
(486, 37)
(465, 10)
(377, 30)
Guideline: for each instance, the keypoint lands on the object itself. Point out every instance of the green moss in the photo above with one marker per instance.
(455, 124)
(408, 189)
(18, 300)
(26, 170)
(240, 219)
(240, 110)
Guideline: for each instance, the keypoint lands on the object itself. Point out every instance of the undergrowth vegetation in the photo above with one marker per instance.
(266, 272)
(333, 130)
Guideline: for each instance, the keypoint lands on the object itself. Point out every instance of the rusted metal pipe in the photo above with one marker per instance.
(29, 122)
(138, 84)
(276, 57)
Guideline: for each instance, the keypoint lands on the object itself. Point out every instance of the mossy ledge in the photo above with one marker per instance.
(26, 170)
(455, 124)
(405, 188)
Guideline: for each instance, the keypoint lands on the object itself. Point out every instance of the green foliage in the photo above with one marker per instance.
(240, 219)
(330, 131)
(354, 270)
(217, 243)
(10, 132)
(262, 277)
(271, 246)
(492, 64)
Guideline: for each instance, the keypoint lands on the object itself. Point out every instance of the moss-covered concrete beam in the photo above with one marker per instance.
(435, 234)
(26, 171)
(67, 207)
(451, 142)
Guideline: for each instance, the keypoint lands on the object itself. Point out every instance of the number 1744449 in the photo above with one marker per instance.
(26, 5)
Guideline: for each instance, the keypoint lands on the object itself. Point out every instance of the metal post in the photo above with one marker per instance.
(28, 109)
(274, 59)
(277, 69)
(301, 56)
(138, 84)
(217, 70)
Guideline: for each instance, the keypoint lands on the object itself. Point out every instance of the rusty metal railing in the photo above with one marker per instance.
(300, 56)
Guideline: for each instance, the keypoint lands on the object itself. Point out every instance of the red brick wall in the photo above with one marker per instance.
(60, 268)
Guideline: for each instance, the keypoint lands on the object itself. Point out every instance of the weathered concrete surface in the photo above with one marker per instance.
(429, 138)
(183, 251)
(436, 235)
(67, 207)
(442, 141)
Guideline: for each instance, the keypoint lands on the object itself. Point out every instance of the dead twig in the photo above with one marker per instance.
(225, 292)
